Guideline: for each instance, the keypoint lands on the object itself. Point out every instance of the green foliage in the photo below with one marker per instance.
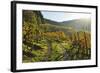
(46, 42)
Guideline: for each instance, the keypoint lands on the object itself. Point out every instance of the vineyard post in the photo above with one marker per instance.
(85, 39)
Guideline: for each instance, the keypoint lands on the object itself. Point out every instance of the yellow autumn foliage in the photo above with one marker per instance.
(57, 34)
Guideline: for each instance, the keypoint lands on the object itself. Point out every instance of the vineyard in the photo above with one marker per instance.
(45, 42)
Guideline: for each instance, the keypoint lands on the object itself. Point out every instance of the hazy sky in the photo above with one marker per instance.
(63, 16)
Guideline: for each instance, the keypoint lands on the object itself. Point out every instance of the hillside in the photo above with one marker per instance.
(77, 24)
(46, 40)
(34, 17)
(51, 22)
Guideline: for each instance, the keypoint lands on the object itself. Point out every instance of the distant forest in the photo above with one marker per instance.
(47, 40)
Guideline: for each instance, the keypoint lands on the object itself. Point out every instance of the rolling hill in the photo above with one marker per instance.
(77, 24)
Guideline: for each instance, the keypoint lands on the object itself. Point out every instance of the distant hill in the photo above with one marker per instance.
(51, 22)
(79, 24)
(83, 24)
